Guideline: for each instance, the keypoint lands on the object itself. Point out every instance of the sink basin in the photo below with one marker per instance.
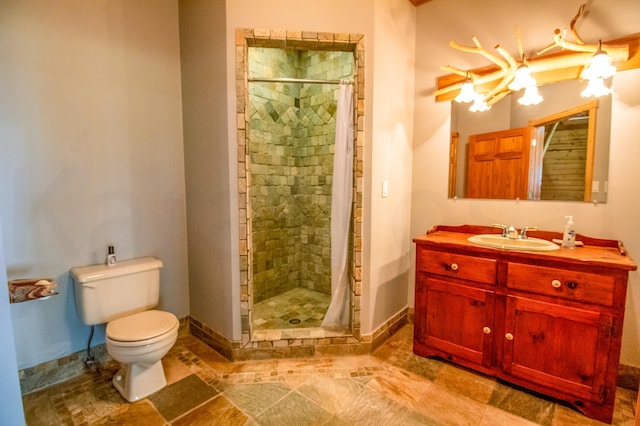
(498, 241)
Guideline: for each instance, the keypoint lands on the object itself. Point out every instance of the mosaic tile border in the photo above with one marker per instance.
(295, 343)
(306, 40)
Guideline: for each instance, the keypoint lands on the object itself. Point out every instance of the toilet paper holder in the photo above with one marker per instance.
(25, 289)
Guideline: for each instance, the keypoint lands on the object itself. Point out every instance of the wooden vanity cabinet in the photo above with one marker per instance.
(456, 294)
(550, 322)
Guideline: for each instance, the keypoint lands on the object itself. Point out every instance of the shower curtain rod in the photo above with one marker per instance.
(297, 80)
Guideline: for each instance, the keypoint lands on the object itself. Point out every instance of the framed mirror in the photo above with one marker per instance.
(556, 150)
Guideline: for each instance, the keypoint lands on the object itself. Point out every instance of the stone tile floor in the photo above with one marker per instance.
(391, 387)
(296, 308)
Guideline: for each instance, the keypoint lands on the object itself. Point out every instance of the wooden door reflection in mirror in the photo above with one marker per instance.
(497, 164)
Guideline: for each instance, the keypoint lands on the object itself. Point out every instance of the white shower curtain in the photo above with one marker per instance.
(337, 315)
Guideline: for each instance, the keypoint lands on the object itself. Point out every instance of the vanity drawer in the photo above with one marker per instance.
(457, 265)
(578, 286)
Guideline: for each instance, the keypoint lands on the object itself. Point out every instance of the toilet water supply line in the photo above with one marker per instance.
(90, 359)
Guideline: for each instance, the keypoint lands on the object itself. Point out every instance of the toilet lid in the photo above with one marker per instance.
(141, 326)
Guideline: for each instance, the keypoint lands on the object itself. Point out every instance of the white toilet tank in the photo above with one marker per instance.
(104, 293)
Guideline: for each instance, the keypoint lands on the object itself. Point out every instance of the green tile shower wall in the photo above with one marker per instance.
(291, 138)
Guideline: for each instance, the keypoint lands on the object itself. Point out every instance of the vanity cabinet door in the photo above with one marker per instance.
(560, 347)
(453, 320)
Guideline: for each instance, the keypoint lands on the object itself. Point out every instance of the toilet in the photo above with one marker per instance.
(137, 336)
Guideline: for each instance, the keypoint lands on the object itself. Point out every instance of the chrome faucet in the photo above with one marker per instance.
(523, 231)
(505, 229)
(512, 233)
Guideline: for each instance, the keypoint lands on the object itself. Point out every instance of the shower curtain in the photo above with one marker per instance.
(337, 315)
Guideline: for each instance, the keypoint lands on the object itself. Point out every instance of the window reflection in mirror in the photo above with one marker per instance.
(507, 165)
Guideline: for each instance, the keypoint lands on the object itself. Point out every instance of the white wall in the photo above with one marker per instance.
(12, 413)
(213, 262)
(91, 142)
(387, 221)
(388, 92)
(493, 22)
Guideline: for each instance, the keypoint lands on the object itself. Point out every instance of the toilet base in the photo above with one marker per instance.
(136, 381)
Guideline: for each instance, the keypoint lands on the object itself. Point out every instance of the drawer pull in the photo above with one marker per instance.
(556, 283)
(486, 330)
(572, 285)
(508, 336)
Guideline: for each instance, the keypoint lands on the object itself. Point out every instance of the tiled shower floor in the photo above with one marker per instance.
(297, 308)
(391, 387)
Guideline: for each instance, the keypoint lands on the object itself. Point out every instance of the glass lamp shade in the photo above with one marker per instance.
(596, 88)
(599, 67)
(522, 79)
(530, 97)
(479, 105)
(467, 93)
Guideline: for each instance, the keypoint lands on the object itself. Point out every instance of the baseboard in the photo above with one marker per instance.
(628, 377)
(58, 370)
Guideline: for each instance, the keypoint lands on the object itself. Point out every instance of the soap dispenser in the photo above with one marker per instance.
(569, 236)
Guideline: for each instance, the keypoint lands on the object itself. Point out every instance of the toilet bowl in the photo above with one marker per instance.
(138, 342)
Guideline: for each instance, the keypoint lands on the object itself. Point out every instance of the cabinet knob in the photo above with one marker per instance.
(454, 266)
(486, 330)
(508, 336)
(556, 283)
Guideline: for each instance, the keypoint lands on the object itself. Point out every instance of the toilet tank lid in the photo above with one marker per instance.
(85, 274)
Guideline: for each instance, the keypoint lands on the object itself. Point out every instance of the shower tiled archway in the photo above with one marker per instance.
(298, 40)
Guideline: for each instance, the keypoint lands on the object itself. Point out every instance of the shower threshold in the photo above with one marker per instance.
(297, 334)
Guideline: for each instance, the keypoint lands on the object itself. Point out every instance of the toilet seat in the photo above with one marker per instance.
(143, 328)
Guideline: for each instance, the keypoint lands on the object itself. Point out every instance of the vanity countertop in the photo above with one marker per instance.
(596, 251)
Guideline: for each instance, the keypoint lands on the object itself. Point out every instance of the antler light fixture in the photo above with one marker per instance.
(577, 59)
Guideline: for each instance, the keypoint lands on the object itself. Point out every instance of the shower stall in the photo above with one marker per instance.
(291, 134)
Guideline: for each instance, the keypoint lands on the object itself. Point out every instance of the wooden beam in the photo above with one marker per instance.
(546, 69)
(419, 2)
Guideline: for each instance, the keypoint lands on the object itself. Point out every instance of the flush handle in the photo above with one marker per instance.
(572, 285)
(556, 283)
